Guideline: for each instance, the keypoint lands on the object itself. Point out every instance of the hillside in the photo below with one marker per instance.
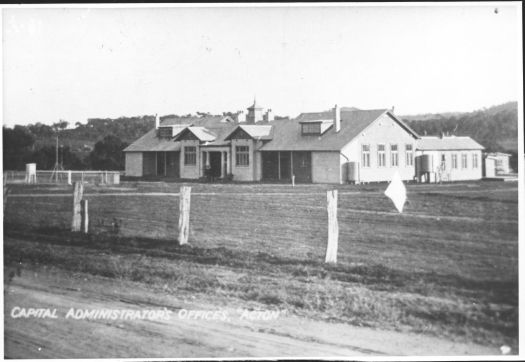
(496, 127)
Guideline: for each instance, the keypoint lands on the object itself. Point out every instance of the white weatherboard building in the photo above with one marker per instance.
(337, 146)
(448, 158)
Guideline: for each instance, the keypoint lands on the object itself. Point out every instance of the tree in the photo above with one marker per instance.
(108, 154)
(17, 145)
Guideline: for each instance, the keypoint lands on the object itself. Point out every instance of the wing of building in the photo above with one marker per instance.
(336, 146)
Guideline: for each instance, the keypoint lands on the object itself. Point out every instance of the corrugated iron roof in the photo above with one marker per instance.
(255, 131)
(150, 142)
(202, 134)
(430, 143)
(287, 133)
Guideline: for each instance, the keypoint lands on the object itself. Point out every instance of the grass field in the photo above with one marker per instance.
(447, 266)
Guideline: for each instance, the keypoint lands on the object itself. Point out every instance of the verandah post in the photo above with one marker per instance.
(184, 214)
(333, 227)
(78, 191)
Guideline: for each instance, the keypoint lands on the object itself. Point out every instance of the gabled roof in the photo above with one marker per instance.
(150, 142)
(287, 133)
(216, 125)
(203, 134)
(255, 131)
(431, 143)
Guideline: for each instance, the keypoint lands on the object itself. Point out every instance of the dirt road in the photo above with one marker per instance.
(238, 335)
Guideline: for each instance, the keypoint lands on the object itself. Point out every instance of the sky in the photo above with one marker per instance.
(79, 63)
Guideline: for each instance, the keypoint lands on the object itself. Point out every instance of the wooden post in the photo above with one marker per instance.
(78, 190)
(6, 193)
(85, 216)
(293, 180)
(69, 177)
(333, 227)
(184, 214)
(82, 176)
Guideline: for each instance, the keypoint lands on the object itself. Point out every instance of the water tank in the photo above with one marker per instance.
(353, 171)
(423, 164)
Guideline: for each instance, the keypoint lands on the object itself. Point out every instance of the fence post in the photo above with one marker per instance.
(184, 214)
(6, 192)
(293, 180)
(333, 227)
(78, 190)
(82, 176)
(85, 216)
(69, 177)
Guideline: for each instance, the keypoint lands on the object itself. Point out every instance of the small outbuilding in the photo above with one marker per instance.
(496, 164)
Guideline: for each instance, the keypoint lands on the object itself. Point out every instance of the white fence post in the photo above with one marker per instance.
(293, 180)
(85, 216)
(69, 177)
(184, 214)
(333, 227)
(78, 190)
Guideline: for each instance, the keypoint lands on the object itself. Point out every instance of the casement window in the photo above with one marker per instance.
(394, 156)
(474, 160)
(242, 156)
(464, 160)
(454, 161)
(190, 156)
(381, 156)
(365, 155)
(311, 128)
(409, 155)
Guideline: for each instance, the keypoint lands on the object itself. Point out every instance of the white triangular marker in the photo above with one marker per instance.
(397, 192)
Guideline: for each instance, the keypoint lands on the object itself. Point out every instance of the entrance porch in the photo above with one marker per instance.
(216, 162)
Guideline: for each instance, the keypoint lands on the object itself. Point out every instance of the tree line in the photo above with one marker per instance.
(98, 144)
(20, 147)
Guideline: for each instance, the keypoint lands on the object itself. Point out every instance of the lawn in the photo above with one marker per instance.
(447, 266)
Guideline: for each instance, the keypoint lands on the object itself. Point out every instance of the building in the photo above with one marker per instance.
(496, 164)
(339, 146)
(448, 158)
(336, 146)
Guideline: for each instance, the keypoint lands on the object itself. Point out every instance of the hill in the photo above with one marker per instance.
(496, 127)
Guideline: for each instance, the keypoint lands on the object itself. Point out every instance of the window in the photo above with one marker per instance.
(394, 157)
(464, 160)
(190, 156)
(311, 128)
(474, 161)
(381, 156)
(365, 155)
(242, 156)
(454, 161)
(409, 155)
(443, 164)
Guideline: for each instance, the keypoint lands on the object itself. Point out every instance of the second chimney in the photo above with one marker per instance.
(157, 121)
(337, 118)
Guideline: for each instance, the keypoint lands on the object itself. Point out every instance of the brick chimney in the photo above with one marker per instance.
(337, 118)
(157, 121)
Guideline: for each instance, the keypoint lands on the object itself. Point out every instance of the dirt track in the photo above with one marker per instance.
(284, 336)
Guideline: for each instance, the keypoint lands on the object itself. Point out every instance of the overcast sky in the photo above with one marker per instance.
(75, 64)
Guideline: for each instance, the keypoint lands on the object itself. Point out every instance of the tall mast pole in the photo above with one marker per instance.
(56, 160)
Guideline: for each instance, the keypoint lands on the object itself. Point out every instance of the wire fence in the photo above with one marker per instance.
(291, 222)
(64, 177)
